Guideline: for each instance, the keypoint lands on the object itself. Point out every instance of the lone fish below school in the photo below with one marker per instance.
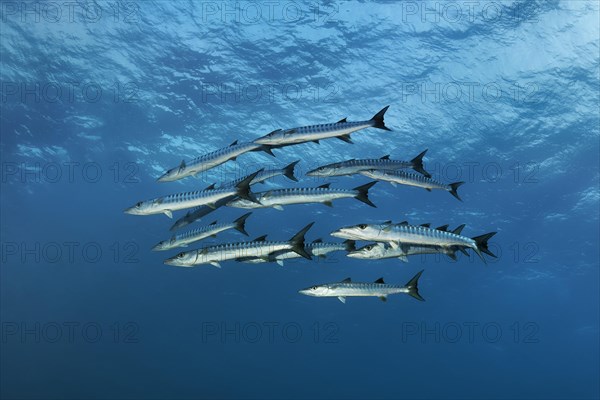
(379, 288)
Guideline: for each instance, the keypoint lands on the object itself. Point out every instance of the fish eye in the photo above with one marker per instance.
(314, 288)
(139, 204)
(180, 255)
(369, 247)
(362, 226)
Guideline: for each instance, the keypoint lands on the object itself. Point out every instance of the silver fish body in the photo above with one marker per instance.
(382, 250)
(317, 249)
(314, 133)
(258, 248)
(194, 235)
(410, 179)
(379, 288)
(168, 204)
(403, 235)
(208, 161)
(281, 197)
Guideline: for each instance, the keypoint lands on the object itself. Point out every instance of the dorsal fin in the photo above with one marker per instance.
(347, 280)
(182, 165)
(386, 157)
(325, 186)
(260, 238)
(380, 280)
(210, 187)
(213, 223)
(458, 229)
(389, 221)
(319, 240)
(341, 120)
(443, 228)
(427, 225)
(234, 143)
(403, 223)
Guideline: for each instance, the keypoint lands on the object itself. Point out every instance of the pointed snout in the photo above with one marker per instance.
(354, 254)
(340, 234)
(129, 210)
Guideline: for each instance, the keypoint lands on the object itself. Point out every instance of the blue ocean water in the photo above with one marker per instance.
(99, 99)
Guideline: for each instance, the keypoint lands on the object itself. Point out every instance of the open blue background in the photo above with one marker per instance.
(504, 95)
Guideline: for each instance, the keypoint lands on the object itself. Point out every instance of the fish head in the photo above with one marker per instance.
(273, 138)
(183, 259)
(357, 232)
(164, 245)
(325, 170)
(370, 251)
(140, 208)
(173, 174)
(316, 291)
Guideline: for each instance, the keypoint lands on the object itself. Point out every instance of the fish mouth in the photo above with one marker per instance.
(305, 292)
(158, 247)
(164, 178)
(130, 210)
(171, 261)
(340, 234)
(355, 254)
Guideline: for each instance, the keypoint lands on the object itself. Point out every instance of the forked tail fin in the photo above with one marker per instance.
(377, 119)
(363, 193)
(417, 164)
(240, 223)
(412, 286)
(297, 242)
(243, 188)
(350, 245)
(482, 245)
(288, 171)
(453, 189)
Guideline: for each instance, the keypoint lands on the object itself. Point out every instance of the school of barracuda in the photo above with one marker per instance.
(387, 240)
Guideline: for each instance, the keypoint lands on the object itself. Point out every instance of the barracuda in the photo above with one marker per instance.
(184, 239)
(406, 178)
(259, 247)
(211, 160)
(351, 167)
(402, 235)
(287, 171)
(198, 212)
(382, 250)
(322, 194)
(313, 133)
(317, 248)
(167, 204)
(379, 288)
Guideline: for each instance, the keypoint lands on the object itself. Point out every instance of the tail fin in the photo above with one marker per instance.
(288, 171)
(377, 120)
(482, 245)
(243, 188)
(417, 164)
(412, 286)
(266, 149)
(453, 189)
(240, 223)
(297, 242)
(350, 245)
(363, 193)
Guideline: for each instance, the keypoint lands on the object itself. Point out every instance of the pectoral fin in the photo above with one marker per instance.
(403, 258)
(280, 263)
(215, 264)
(168, 213)
(342, 299)
(278, 207)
